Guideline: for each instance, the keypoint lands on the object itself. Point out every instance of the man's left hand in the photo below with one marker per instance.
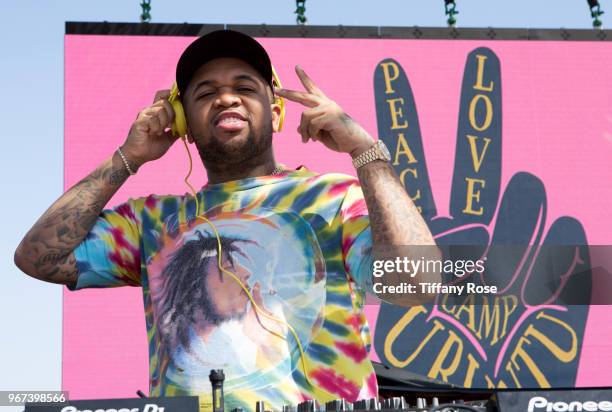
(325, 121)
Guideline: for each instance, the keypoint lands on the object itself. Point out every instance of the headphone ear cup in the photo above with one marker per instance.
(281, 102)
(179, 126)
(278, 100)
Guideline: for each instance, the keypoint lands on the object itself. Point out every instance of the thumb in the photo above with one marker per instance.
(169, 137)
(256, 292)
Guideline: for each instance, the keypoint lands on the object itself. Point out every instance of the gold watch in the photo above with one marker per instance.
(377, 152)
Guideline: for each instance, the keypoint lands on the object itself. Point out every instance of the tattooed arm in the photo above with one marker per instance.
(46, 252)
(396, 226)
(394, 219)
(395, 222)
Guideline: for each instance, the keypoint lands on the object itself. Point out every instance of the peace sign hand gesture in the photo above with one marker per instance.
(325, 121)
(542, 267)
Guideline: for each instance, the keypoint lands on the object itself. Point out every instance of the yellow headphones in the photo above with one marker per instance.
(277, 99)
(179, 126)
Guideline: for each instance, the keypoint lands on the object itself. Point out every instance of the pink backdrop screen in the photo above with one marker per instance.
(557, 107)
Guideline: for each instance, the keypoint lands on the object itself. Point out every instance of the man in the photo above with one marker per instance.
(202, 311)
(292, 241)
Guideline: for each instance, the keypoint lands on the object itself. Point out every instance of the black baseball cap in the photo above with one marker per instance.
(222, 43)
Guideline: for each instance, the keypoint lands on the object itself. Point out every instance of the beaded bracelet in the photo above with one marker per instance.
(125, 162)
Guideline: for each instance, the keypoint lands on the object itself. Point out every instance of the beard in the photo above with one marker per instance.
(216, 154)
(213, 316)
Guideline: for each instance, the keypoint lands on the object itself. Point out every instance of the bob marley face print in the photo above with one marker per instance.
(207, 319)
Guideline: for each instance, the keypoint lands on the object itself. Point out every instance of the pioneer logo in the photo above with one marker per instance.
(539, 403)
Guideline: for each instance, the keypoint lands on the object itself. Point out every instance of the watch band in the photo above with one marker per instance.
(378, 151)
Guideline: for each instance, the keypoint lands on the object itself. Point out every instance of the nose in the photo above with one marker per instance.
(227, 98)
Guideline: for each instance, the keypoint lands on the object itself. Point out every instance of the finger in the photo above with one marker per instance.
(308, 83)
(303, 133)
(169, 137)
(257, 294)
(477, 172)
(520, 223)
(307, 117)
(306, 99)
(158, 118)
(398, 126)
(167, 108)
(161, 94)
(316, 126)
(304, 121)
(162, 116)
(561, 273)
(153, 123)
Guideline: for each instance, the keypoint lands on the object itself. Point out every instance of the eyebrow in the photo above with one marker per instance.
(235, 78)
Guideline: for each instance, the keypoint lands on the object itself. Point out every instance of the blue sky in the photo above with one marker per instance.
(31, 115)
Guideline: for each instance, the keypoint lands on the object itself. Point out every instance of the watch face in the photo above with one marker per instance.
(384, 150)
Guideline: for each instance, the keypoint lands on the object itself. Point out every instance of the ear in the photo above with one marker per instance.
(276, 116)
(190, 138)
(189, 135)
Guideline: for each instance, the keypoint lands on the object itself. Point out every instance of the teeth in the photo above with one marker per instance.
(231, 120)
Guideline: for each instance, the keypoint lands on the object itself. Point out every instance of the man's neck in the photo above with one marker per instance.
(262, 165)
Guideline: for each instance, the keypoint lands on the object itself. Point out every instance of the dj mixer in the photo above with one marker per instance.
(399, 391)
(402, 391)
(394, 404)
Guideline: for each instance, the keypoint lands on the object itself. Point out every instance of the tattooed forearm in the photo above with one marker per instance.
(394, 219)
(46, 250)
(398, 230)
(118, 176)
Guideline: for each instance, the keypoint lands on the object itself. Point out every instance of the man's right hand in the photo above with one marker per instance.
(150, 136)
(46, 251)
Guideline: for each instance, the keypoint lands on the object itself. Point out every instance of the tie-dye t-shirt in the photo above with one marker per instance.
(299, 243)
